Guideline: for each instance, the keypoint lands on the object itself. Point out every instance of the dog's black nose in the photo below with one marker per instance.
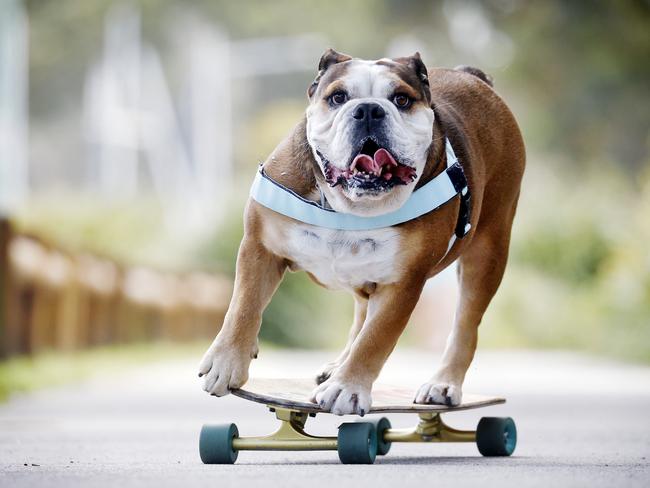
(368, 112)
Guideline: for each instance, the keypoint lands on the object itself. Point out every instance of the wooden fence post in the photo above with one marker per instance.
(5, 231)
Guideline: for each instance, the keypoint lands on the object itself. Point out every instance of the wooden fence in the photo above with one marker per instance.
(55, 300)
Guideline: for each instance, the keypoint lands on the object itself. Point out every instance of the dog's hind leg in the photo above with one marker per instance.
(360, 309)
(480, 269)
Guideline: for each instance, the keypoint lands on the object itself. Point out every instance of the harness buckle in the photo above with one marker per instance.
(458, 179)
(463, 225)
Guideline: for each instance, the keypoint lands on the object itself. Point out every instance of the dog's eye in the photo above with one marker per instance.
(338, 98)
(402, 101)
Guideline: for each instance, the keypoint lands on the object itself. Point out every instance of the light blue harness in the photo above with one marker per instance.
(429, 197)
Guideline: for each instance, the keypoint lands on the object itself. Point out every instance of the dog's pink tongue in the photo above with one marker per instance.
(384, 158)
(363, 162)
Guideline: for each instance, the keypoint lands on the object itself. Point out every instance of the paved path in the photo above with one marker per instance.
(581, 421)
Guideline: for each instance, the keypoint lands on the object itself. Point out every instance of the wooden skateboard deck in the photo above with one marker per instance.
(294, 394)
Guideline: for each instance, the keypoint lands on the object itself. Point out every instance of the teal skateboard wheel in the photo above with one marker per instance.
(357, 443)
(496, 436)
(215, 444)
(381, 425)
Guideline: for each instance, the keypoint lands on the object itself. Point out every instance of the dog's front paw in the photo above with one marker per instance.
(439, 392)
(224, 368)
(342, 397)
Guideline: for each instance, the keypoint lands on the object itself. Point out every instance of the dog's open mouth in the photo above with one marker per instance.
(373, 168)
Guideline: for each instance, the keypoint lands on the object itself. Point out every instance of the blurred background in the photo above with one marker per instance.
(130, 132)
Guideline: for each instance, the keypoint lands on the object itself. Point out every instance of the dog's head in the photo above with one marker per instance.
(369, 125)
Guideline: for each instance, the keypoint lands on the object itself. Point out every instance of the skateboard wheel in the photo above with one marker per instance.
(381, 425)
(496, 436)
(357, 443)
(215, 444)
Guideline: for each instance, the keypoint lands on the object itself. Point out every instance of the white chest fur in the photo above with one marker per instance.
(345, 259)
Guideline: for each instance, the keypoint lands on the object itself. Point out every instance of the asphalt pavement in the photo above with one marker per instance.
(582, 421)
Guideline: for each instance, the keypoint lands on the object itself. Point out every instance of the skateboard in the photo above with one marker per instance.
(357, 442)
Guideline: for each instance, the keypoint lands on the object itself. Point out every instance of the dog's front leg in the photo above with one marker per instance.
(225, 364)
(348, 390)
(360, 309)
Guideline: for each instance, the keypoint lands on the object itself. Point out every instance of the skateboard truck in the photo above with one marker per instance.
(290, 436)
(431, 428)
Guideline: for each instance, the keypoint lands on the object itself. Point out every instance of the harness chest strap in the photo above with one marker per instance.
(427, 198)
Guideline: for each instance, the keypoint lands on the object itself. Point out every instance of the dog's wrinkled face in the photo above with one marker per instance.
(369, 125)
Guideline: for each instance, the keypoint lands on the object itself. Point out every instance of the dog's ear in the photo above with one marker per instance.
(331, 57)
(417, 65)
(328, 58)
(420, 69)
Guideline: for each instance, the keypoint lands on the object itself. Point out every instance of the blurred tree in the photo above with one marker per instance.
(582, 67)
(585, 69)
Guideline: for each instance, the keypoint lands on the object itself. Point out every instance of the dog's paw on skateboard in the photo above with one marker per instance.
(342, 397)
(440, 393)
(224, 369)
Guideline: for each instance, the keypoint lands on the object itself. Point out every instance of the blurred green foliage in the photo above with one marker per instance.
(578, 76)
(574, 255)
(132, 233)
(579, 272)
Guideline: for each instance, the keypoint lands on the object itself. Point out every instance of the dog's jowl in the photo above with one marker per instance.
(394, 173)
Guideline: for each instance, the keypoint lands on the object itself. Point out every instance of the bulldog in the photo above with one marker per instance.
(375, 132)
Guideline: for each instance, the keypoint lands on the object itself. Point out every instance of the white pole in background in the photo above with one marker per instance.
(111, 96)
(14, 183)
(209, 95)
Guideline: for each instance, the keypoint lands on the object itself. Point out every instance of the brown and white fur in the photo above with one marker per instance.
(384, 269)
